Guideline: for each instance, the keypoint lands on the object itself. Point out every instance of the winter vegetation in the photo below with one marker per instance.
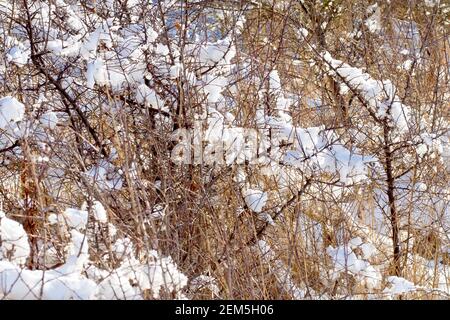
(260, 149)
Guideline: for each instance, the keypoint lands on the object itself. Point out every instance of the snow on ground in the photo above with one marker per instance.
(78, 277)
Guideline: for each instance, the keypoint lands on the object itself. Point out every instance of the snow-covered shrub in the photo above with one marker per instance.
(231, 149)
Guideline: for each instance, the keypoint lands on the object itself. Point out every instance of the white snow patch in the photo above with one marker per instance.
(14, 244)
(100, 214)
(255, 199)
(11, 110)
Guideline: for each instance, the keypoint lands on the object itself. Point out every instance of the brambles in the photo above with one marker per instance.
(205, 149)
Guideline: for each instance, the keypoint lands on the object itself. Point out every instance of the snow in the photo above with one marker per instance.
(313, 151)
(162, 49)
(147, 96)
(176, 70)
(345, 260)
(109, 59)
(214, 86)
(405, 52)
(69, 281)
(202, 281)
(49, 120)
(161, 273)
(74, 218)
(266, 217)
(355, 242)
(158, 212)
(399, 285)
(123, 246)
(217, 53)
(303, 32)
(14, 244)
(156, 274)
(421, 187)
(371, 277)
(379, 95)
(115, 287)
(281, 272)
(100, 214)
(11, 110)
(422, 149)
(18, 55)
(255, 199)
(373, 23)
(407, 64)
(151, 34)
(112, 230)
(431, 3)
(106, 176)
(143, 92)
(64, 282)
(96, 73)
(99, 73)
(368, 250)
(274, 81)
(20, 284)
